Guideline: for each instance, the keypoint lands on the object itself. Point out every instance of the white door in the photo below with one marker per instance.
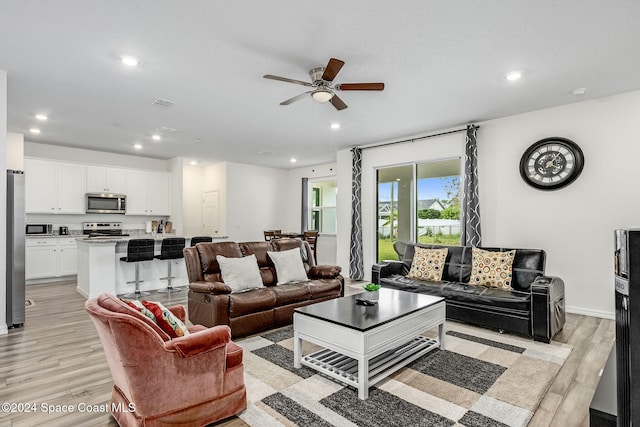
(210, 212)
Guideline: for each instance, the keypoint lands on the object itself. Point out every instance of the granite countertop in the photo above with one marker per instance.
(122, 239)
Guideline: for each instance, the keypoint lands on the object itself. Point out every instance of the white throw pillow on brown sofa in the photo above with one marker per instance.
(289, 267)
(240, 274)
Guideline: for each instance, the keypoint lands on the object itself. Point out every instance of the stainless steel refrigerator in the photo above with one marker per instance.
(15, 249)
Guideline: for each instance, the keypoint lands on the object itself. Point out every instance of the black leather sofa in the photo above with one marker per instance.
(534, 307)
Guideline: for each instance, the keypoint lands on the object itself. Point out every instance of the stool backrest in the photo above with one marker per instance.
(140, 250)
(172, 247)
(201, 239)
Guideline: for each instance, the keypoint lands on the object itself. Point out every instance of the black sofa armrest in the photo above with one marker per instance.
(386, 269)
(547, 307)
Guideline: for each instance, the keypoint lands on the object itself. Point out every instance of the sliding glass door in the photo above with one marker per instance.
(418, 202)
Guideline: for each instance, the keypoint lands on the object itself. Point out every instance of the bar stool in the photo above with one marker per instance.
(138, 250)
(170, 249)
(201, 239)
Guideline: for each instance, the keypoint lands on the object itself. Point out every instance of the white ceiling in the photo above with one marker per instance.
(443, 63)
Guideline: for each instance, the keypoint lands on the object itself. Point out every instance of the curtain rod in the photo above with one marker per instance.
(419, 138)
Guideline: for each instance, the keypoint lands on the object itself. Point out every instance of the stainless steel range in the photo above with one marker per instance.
(102, 229)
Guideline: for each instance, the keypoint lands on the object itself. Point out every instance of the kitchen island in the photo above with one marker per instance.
(100, 269)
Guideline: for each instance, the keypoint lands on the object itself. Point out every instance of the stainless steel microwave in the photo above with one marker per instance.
(39, 229)
(106, 203)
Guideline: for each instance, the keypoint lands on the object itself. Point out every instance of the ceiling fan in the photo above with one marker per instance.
(323, 87)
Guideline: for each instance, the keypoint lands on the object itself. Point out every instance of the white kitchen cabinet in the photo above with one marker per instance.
(50, 257)
(102, 179)
(54, 187)
(148, 193)
(40, 258)
(67, 257)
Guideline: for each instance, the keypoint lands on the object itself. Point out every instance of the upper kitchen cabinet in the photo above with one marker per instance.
(148, 193)
(106, 180)
(54, 187)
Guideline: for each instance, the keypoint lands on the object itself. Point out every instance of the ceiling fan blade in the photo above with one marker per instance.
(360, 86)
(295, 98)
(338, 103)
(332, 69)
(285, 79)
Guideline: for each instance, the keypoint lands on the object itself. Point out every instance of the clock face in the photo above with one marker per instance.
(551, 163)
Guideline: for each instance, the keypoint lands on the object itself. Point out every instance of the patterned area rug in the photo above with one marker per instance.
(482, 379)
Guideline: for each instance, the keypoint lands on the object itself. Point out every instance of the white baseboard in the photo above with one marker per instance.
(594, 313)
(82, 292)
(3, 329)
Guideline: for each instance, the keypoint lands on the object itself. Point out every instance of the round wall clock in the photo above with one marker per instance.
(551, 163)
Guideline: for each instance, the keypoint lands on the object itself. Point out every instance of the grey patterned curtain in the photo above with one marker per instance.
(356, 265)
(470, 234)
(304, 219)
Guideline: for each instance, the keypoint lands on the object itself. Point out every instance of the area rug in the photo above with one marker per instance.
(481, 379)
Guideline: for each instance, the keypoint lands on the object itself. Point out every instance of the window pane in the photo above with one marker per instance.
(394, 208)
(438, 202)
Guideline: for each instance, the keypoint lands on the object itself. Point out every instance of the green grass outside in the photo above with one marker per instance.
(385, 246)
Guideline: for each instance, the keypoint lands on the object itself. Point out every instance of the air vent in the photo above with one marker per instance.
(162, 102)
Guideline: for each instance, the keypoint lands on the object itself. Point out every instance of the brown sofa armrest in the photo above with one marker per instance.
(210, 287)
(324, 272)
(200, 342)
(178, 311)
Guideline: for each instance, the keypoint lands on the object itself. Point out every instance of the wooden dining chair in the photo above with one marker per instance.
(312, 238)
(272, 234)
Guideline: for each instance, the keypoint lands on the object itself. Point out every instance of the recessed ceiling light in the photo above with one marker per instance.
(41, 117)
(130, 61)
(335, 126)
(293, 160)
(193, 162)
(197, 139)
(137, 146)
(514, 75)
(579, 91)
(34, 130)
(156, 137)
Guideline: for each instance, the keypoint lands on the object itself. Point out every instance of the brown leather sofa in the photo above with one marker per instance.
(212, 303)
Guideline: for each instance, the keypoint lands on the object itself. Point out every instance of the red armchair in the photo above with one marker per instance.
(193, 380)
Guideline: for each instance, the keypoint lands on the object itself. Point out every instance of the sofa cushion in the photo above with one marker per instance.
(289, 267)
(322, 288)
(428, 264)
(491, 268)
(253, 301)
(291, 293)
(209, 264)
(240, 274)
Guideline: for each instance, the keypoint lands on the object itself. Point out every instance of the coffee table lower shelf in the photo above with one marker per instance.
(345, 369)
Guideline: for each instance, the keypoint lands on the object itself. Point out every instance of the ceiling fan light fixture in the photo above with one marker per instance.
(322, 95)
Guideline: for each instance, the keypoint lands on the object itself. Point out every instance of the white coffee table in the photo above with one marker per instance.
(377, 340)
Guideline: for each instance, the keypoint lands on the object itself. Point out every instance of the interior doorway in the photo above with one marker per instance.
(210, 212)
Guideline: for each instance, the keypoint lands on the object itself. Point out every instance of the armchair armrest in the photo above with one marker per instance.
(200, 342)
(210, 287)
(324, 272)
(386, 269)
(547, 307)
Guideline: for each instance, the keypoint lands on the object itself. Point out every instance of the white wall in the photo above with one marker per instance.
(573, 225)
(192, 185)
(79, 155)
(176, 166)
(15, 151)
(3, 202)
(256, 200)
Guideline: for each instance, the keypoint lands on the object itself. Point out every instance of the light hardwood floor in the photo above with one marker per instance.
(57, 359)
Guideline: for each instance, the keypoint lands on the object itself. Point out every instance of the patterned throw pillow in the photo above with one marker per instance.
(141, 308)
(491, 268)
(428, 264)
(167, 321)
